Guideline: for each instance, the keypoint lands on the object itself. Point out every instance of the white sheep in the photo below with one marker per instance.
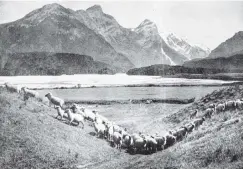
(230, 104)
(117, 139)
(55, 100)
(198, 122)
(193, 114)
(209, 112)
(220, 107)
(60, 112)
(29, 93)
(12, 88)
(100, 129)
(239, 104)
(78, 118)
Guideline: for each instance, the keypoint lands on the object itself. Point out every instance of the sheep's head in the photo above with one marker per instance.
(48, 95)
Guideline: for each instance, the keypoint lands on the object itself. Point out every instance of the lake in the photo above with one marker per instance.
(89, 80)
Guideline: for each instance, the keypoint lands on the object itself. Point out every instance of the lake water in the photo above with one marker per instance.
(88, 80)
(125, 93)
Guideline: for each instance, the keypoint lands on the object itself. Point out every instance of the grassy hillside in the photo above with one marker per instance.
(31, 137)
(44, 63)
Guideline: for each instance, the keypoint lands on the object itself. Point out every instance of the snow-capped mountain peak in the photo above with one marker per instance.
(184, 47)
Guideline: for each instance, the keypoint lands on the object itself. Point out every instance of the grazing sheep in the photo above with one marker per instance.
(54, 100)
(180, 133)
(12, 88)
(88, 114)
(220, 107)
(193, 114)
(60, 112)
(29, 93)
(239, 104)
(208, 112)
(117, 139)
(78, 118)
(100, 129)
(198, 122)
(229, 105)
(170, 140)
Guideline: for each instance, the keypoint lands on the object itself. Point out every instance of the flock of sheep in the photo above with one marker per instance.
(118, 136)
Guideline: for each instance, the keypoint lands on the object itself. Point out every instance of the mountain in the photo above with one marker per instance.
(229, 64)
(54, 28)
(43, 63)
(91, 32)
(230, 47)
(183, 47)
(141, 45)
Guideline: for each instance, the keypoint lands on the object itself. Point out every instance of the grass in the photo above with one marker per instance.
(30, 136)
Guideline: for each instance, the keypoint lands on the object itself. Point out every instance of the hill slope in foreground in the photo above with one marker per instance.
(31, 137)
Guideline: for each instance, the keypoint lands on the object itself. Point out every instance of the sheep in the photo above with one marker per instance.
(88, 114)
(117, 140)
(239, 104)
(100, 118)
(161, 141)
(151, 143)
(77, 110)
(78, 118)
(137, 143)
(230, 104)
(100, 129)
(209, 112)
(149, 101)
(170, 140)
(212, 105)
(189, 127)
(198, 122)
(180, 133)
(60, 112)
(126, 140)
(54, 100)
(193, 114)
(29, 93)
(220, 107)
(12, 88)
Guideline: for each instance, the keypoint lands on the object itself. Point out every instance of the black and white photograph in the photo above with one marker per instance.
(121, 84)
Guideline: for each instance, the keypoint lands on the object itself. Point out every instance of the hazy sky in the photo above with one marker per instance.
(207, 23)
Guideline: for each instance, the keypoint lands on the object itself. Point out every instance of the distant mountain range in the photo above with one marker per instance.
(91, 32)
(228, 56)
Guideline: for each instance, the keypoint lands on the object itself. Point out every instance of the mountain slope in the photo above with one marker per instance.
(141, 45)
(230, 47)
(229, 64)
(43, 63)
(54, 28)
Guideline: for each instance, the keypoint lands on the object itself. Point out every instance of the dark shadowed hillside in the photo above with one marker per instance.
(229, 64)
(42, 63)
(163, 70)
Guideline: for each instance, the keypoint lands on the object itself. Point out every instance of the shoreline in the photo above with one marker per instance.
(141, 85)
(133, 101)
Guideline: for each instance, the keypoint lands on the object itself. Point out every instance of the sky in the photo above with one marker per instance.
(208, 23)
